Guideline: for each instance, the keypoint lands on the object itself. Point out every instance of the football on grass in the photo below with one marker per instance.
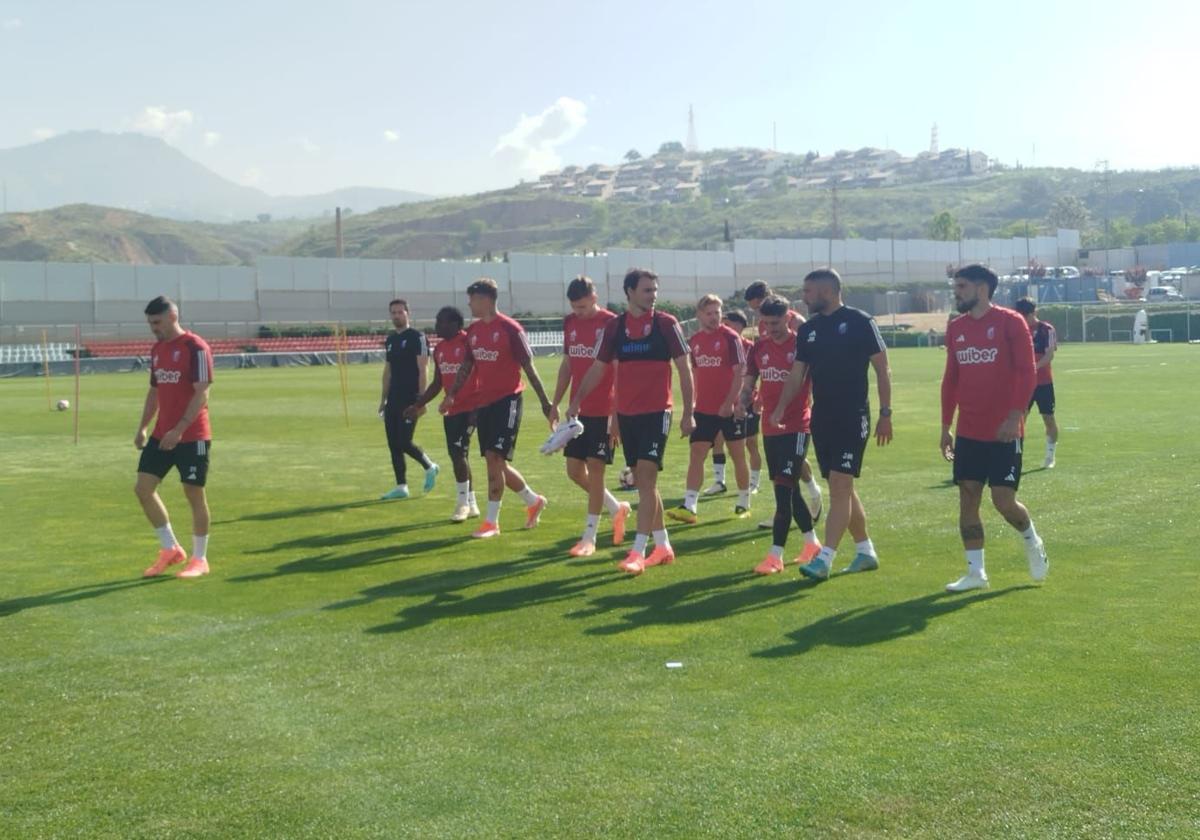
(626, 479)
(63, 405)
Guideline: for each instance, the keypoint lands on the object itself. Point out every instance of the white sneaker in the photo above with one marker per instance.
(474, 511)
(814, 503)
(971, 580)
(1039, 563)
(1048, 464)
(767, 524)
(715, 489)
(461, 513)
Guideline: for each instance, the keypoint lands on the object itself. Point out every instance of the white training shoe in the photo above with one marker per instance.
(1039, 563)
(715, 489)
(971, 580)
(767, 524)
(1048, 464)
(474, 512)
(461, 513)
(814, 504)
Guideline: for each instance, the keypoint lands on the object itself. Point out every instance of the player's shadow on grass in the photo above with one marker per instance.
(872, 625)
(325, 540)
(331, 562)
(446, 604)
(75, 593)
(688, 601)
(291, 513)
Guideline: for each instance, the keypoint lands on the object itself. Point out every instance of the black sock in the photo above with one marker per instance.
(800, 511)
(783, 514)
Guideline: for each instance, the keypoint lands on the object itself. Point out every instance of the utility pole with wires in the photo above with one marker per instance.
(1107, 243)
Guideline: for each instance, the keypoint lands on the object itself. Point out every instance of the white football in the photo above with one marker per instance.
(63, 405)
(626, 479)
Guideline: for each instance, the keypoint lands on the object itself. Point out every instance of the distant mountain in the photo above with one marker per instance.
(86, 233)
(145, 174)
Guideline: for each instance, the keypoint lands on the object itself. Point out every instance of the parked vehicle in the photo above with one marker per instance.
(1162, 294)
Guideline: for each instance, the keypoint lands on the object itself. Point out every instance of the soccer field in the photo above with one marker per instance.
(355, 668)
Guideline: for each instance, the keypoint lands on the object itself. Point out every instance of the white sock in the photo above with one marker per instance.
(812, 487)
(744, 498)
(639, 543)
(1050, 448)
(975, 561)
(719, 473)
(493, 513)
(660, 539)
(199, 545)
(810, 537)
(471, 499)
(777, 552)
(611, 504)
(464, 491)
(754, 478)
(689, 499)
(826, 555)
(528, 495)
(1029, 534)
(166, 537)
(589, 531)
(865, 547)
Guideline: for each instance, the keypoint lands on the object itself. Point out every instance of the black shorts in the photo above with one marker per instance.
(593, 443)
(750, 425)
(785, 454)
(458, 434)
(190, 458)
(988, 462)
(498, 424)
(644, 436)
(1043, 395)
(840, 442)
(708, 425)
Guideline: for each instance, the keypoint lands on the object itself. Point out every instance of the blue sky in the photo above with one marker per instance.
(451, 97)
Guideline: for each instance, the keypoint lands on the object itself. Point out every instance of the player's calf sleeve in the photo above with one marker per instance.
(783, 514)
(800, 511)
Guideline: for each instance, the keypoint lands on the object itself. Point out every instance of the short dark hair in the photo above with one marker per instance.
(825, 275)
(580, 287)
(485, 286)
(976, 273)
(159, 305)
(1025, 306)
(756, 291)
(452, 314)
(635, 276)
(400, 301)
(737, 315)
(773, 306)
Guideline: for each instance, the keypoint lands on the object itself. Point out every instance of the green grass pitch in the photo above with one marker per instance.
(355, 668)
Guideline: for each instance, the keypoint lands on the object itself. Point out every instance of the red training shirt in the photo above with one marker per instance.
(645, 347)
(581, 340)
(989, 372)
(715, 354)
(771, 361)
(176, 368)
(448, 357)
(500, 349)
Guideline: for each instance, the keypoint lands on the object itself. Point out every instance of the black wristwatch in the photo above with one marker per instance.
(885, 412)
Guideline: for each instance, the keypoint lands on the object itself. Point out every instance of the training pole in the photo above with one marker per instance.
(46, 371)
(343, 373)
(78, 351)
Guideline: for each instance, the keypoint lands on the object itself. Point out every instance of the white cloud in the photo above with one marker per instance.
(212, 138)
(390, 136)
(10, 24)
(307, 145)
(252, 176)
(158, 121)
(43, 133)
(531, 148)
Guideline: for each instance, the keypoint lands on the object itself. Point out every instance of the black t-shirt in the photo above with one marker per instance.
(837, 349)
(402, 349)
